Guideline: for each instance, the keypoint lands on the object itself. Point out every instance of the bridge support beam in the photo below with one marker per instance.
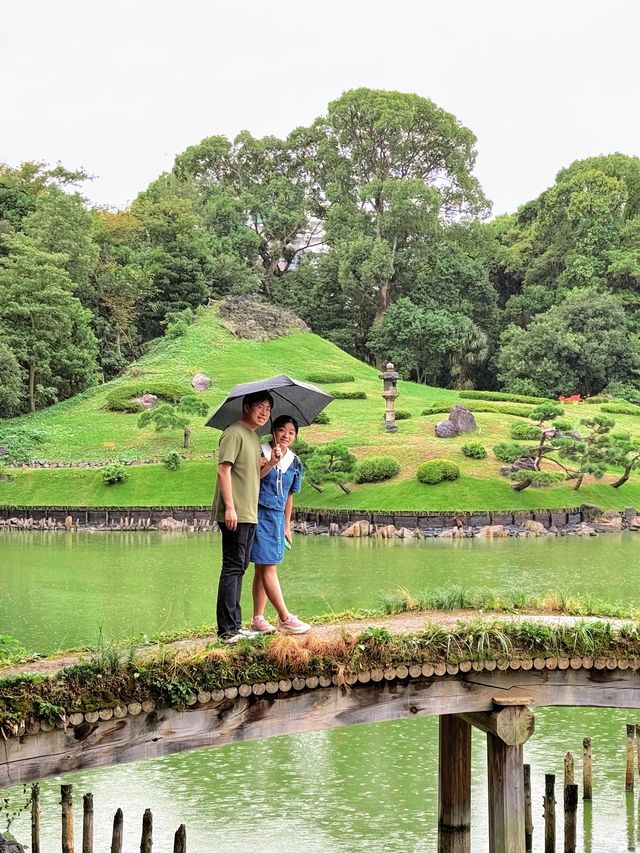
(454, 785)
(508, 726)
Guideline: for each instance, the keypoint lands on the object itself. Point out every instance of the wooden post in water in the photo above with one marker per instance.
(454, 785)
(628, 783)
(570, 814)
(568, 770)
(587, 789)
(638, 746)
(180, 840)
(87, 823)
(146, 842)
(67, 818)
(116, 838)
(35, 818)
(528, 819)
(549, 813)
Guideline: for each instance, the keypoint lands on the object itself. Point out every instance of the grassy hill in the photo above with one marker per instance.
(83, 429)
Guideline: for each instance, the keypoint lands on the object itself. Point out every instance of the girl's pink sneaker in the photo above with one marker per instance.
(261, 625)
(292, 625)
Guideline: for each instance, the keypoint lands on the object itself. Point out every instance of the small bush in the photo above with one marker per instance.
(562, 425)
(502, 395)
(114, 474)
(621, 409)
(329, 378)
(599, 398)
(349, 395)
(436, 470)
(450, 471)
(508, 452)
(173, 460)
(375, 469)
(177, 329)
(524, 432)
(121, 398)
(474, 450)
(322, 418)
(20, 443)
(402, 415)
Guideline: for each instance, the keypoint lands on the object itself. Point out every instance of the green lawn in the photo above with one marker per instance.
(82, 429)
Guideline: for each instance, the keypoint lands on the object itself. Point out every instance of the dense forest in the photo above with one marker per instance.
(369, 224)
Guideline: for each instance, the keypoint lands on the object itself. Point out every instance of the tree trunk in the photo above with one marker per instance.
(623, 479)
(383, 302)
(317, 488)
(32, 387)
(118, 348)
(578, 482)
(186, 442)
(521, 484)
(345, 489)
(539, 452)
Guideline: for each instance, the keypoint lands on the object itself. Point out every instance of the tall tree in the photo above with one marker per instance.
(43, 323)
(11, 384)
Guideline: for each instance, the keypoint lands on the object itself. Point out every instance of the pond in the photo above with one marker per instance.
(362, 788)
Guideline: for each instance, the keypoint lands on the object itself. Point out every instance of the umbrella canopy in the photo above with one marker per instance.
(301, 400)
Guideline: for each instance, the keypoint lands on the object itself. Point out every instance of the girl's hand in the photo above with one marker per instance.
(287, 533)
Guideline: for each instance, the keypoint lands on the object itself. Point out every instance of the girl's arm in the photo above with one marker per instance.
(287, 517)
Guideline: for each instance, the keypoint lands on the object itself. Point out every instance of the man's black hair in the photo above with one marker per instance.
(257, 397)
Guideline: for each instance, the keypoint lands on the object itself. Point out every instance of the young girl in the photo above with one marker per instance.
(280, 478)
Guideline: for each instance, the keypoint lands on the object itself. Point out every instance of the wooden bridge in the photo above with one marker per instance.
(493, 696)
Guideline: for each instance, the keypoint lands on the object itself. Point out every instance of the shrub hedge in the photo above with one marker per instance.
(329, 378)
(375, 469)
(502, 395)
(524, 432)
(620, 409)
(435, 471)
(121, 398)
(514, 409)
(322, 418)
(114, 473)
(474, 450)
(349, 395)
(402, 415)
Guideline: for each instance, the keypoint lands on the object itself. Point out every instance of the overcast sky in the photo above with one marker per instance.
(120, 87)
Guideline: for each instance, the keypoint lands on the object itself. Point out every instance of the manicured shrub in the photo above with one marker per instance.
(524, 432)
(375, 469)
(349, 395)
(599, 398)
(402, 415)
(114, 473)
(502, 395)
(329, 378)
(621, 409)
(508, 452)
(121, 398)
(302, 449)
(535, 479)
(474, 450)
(173, 460)
(431, 472)
(322, 418)
(515, 409)
(562, 425)
(450, 470)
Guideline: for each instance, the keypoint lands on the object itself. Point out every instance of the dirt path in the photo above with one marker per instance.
(400, 623)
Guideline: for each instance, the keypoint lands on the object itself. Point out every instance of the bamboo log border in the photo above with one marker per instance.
(297, 684)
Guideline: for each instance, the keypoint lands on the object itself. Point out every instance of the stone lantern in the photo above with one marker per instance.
(390, 392)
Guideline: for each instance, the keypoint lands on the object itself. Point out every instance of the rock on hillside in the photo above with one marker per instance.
(253, 318)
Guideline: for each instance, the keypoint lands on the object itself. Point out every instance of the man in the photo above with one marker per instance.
(236, 508)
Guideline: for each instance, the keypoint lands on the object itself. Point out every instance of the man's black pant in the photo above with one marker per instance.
(236, 551)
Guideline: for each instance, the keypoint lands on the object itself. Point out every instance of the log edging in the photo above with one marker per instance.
(297, 684)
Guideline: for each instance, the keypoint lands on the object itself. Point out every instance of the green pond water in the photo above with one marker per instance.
(368, 787)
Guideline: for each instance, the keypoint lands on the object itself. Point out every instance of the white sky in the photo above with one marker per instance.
(121, 86)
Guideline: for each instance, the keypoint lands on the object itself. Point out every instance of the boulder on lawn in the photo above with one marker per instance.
(147, 401)
(200, 382)
(462, 418)
(446, 429)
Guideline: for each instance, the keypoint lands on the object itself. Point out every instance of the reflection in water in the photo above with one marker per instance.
(363, 788)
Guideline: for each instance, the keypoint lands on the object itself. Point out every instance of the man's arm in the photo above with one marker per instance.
(226, 493)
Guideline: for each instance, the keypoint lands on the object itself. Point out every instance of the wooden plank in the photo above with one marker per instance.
(87, 823)
(454, 785)
(506, 796)
(587, 777)
(66, 792)
(528, 817)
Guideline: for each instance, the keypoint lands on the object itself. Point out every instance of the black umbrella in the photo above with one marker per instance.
(301, 400)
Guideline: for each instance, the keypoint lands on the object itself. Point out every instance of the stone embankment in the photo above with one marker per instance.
(586, 520)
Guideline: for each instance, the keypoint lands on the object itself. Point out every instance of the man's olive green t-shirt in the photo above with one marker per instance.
(241, 447)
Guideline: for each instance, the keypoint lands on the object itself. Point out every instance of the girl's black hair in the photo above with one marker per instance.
(282, 420)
